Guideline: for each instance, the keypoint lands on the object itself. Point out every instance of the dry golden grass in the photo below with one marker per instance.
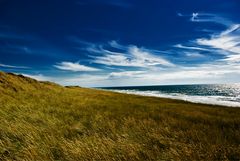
(45, 121)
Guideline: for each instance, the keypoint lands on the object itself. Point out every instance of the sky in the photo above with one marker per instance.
(100, 43)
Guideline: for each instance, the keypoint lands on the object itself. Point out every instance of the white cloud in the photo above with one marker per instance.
(134, 57)
(155, 69)
(231, 29)
(193, 54)
(194, 17)
(180, 14)
(146, 58)
(12, 66)
(206, 73)
(117, 59)
(217, 72)
(39, 77)
(209, 17)
(232, 58)
(227, 40)
(226, 43)
(115, 54)
(75, 67)
(129, 74)
(116, 45)
(84, 80)
(191, 47)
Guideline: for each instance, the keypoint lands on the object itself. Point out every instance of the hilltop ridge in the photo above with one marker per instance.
(20, 82)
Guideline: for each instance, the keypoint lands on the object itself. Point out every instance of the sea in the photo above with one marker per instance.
(215, 94)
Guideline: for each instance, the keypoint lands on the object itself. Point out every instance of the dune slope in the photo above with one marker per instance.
(45, 121)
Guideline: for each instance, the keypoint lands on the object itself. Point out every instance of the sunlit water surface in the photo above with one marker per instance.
(217, 94)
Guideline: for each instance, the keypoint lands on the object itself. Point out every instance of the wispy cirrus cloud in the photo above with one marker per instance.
(75, 67)
(85, 80)
(115, 54)
(13, 66)
(40, 77)
(191, 47)
(134, 57)
(116, 45)
(211, 58)
(228, 40)
(206, 17)
(194, 17)
(204, 73)
(127, 74)
(194, 54)
(225, 43)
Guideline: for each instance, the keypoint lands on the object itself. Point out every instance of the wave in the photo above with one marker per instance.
(213, 100)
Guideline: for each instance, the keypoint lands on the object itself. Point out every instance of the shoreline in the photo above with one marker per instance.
(205, 100)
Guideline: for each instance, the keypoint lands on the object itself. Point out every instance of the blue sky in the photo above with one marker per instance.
(121, 42)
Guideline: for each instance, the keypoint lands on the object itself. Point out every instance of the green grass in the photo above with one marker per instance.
(45, 121)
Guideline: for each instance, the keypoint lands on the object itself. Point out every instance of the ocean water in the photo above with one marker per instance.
(217, 94)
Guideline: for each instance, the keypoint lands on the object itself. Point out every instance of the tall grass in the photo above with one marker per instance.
(45, 121)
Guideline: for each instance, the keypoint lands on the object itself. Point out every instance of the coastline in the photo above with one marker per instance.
(206, 100)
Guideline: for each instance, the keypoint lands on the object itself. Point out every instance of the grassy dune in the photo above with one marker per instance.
(45, 121)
